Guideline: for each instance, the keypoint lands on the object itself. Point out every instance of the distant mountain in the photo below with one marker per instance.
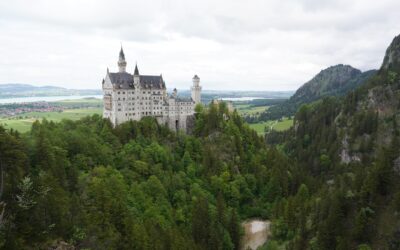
(23, 90)
(334, 81)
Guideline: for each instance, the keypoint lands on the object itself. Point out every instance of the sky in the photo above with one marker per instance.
(230, 44)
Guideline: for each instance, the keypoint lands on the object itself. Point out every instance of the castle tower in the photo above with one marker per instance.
(121, 61)
(196, 90)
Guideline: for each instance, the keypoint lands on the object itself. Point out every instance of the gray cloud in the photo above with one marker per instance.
(269, 45)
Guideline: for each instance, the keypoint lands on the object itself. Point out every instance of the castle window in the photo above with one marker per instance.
(119, 92)
(119, 109)
(123, 92)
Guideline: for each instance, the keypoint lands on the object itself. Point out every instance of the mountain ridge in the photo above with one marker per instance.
(335, 80)
(10, 90)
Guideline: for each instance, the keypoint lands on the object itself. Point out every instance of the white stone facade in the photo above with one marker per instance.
(131, 97)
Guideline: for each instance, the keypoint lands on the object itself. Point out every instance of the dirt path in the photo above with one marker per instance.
(256, 233)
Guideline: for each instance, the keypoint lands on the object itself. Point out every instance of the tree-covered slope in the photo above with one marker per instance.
(137, 186)
(333, 81)
(349, 149)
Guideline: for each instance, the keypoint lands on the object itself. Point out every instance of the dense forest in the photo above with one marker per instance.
(136, 186)
(348, 150)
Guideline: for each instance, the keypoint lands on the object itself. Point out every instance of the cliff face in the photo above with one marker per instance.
(392, 56)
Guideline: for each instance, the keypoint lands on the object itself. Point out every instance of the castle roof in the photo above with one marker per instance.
(184, 99)
(181, 99)
(124, 80)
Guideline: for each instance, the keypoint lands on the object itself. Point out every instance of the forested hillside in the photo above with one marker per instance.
(138, 186)
(334, 81)
(349, 153)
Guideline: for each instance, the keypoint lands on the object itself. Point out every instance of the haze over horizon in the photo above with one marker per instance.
(266, 45)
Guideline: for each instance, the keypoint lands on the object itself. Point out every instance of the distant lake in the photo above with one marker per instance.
(244, 98)
(46, 98)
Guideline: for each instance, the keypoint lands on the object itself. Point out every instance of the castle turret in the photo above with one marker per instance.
(136, 77)
(196, 90)
(121, 61)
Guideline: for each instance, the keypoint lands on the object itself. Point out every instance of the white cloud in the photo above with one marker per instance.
(231, 44)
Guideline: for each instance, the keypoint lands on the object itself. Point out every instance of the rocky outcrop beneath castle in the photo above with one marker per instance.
(190, 124)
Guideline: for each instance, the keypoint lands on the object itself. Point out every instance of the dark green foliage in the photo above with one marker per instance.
(348, 156)
(136, 186)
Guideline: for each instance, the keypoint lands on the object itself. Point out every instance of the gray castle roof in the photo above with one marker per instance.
(124, 80)
(184, 99)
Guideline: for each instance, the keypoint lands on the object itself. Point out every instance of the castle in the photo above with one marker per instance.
(132, 97)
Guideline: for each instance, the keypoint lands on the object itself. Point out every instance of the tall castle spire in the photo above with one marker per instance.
(121, 61)
(136, 77)
(136, 73)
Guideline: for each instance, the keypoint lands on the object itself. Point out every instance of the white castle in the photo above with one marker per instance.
(131, 97)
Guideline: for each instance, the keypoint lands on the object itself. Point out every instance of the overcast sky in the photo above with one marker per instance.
(231, 45)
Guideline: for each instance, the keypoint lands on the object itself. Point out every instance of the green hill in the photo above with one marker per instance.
(333, 81)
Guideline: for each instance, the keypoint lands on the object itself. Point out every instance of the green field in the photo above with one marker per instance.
(23, 123)
(275, 125)
(247, 109)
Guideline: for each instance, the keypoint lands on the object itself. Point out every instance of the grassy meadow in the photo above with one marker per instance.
(24, 122)
(248, 109)
(282, 125)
